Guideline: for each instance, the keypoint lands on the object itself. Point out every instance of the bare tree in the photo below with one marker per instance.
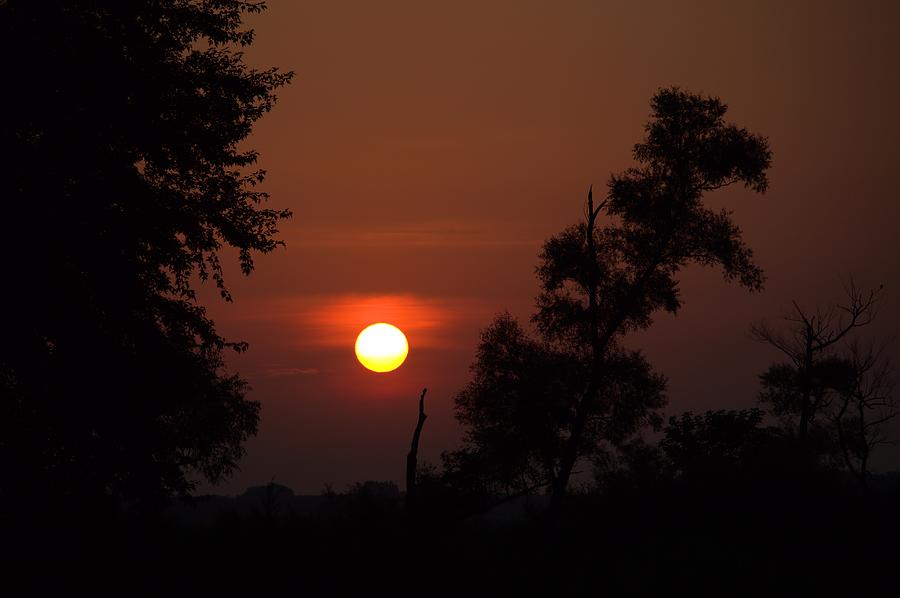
(804, 386)
(412, 456)
(866, 404)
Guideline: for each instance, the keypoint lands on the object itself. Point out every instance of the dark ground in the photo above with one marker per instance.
(812, 536)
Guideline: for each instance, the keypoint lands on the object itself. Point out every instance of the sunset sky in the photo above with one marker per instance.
(427, 149)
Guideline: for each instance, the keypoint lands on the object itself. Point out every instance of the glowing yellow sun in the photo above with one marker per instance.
(381, 347)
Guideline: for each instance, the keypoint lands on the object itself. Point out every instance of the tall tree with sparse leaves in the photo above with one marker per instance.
(125, 175)
(602, 280)
(600, 283)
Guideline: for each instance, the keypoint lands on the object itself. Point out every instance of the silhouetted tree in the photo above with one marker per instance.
(517, 409)
(799, 389)
(412, 458)
(599, 283)
(717, 445)
(124, 178)
(865, 404)
(513, 410)
(535, 407)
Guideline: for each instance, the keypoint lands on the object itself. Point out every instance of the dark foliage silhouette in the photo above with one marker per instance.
(800, 388)
(518, 408)
(535, 407)
(124, 179)
(868, 402)
(712, 447)
(836, 392)
(599, 284)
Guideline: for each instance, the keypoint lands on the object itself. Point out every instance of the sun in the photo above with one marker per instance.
(381, 347)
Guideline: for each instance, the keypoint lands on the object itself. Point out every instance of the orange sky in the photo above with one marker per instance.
(428, 148)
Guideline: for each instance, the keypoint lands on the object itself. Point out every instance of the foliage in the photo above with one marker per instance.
(125, 178)
(605, 281)
(817, 368)
(600, 282)
(782, 387)
(516, 404)
(868, 402)
(518, 407)
(716, 444)
(834, 394)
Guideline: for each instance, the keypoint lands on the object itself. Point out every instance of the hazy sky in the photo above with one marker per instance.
(428, 148)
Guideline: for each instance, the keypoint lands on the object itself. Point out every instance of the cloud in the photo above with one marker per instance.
(336, 320)
(331, 321)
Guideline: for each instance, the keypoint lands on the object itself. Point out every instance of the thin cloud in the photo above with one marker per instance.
(335, 321)
(329, 321)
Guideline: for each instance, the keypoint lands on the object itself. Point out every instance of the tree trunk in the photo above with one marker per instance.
(599, 347)
(570, 453)
(806, 388)
(412, 457)
(570, 450)
(599, 344)
(863, 446)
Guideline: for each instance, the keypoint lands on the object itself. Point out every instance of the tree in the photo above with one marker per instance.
(412, 458)
(805, 385)
(517, 410)
(540, 405)
(513, 410)
(867, 402)
(599, 283)
(717, 445)
(124, 179)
